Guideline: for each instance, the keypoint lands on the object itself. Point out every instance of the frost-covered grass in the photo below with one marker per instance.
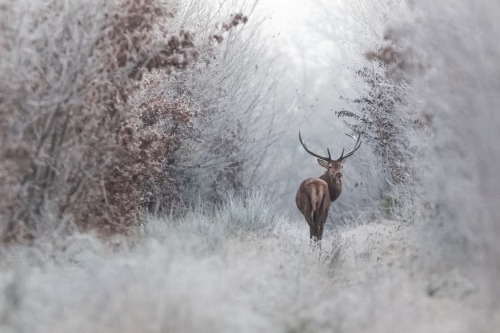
(202, 273)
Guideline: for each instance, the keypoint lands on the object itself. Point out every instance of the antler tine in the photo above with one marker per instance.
(352, 136)
(329, 158)
(341, 155)
(356, 147)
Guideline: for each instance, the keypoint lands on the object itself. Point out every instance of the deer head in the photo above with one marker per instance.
(333, 167)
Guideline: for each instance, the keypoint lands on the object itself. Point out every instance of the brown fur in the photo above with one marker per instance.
(315, 196)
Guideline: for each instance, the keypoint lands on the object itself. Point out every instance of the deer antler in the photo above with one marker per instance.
(356, 147)
(329, 158)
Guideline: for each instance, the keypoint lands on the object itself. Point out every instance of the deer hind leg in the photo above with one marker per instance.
(321, 224)
(319, 229)
(313, 234)
(311, 231)
(310, 221)
(312, 237)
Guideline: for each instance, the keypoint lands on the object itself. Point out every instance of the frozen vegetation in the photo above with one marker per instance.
(245, 268)
(149, 159)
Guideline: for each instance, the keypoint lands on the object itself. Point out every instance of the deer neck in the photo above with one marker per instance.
(334, 186)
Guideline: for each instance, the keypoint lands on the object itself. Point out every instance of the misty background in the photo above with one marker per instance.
(149, 160)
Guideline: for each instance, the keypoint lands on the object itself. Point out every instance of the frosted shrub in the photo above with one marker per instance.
(73, 149)
(460, 170)
(254, 211)
(194, 234)
(204, 230)
(91, 133)
(232, 87)
(387, 114)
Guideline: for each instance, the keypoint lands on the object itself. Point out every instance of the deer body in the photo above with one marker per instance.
(313, 201)
(315, 195)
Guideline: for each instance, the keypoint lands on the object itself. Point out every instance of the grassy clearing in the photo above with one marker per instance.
(227, 272)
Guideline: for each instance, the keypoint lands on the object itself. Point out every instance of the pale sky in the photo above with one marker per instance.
(311, 36)
(295, 23)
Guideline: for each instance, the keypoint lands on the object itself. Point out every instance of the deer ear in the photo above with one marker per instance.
(324, 164)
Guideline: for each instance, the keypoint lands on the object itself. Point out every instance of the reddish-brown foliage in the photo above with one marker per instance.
(86, 157)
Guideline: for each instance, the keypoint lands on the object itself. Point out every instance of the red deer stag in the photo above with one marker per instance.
(315, 195)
